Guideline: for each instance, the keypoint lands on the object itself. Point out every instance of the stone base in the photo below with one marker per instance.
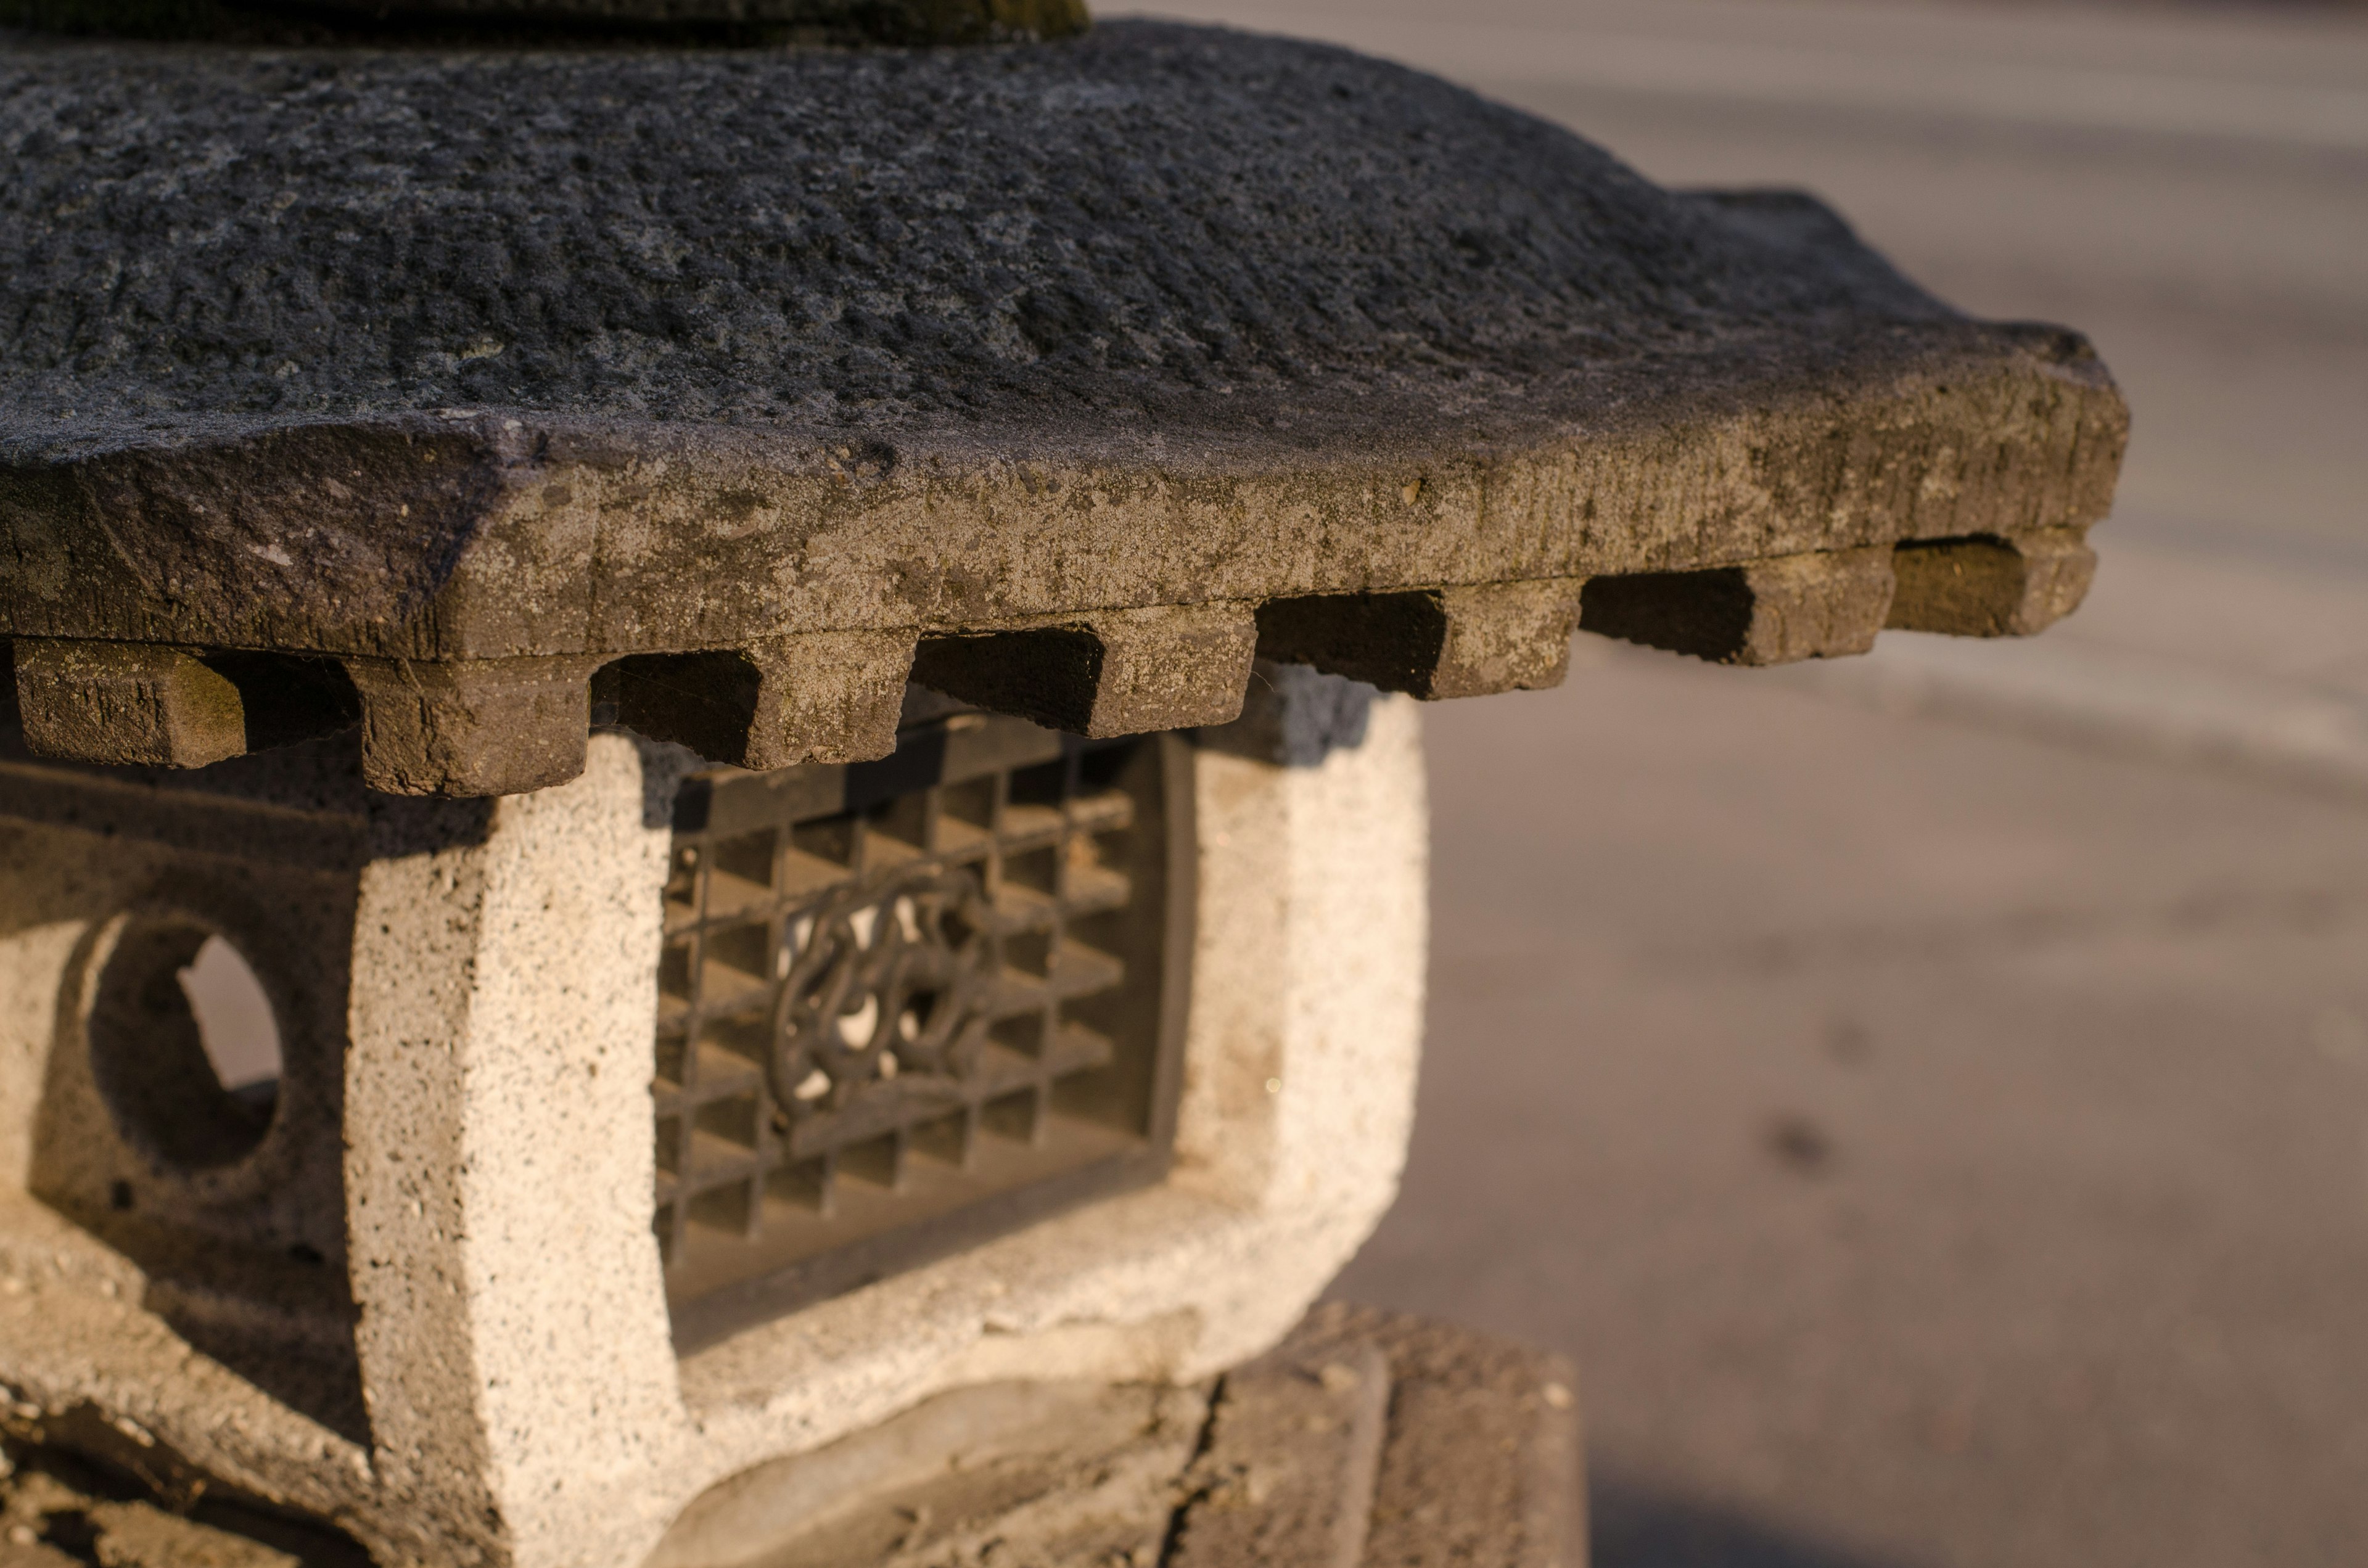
(1392, 1442)
(1364, 1438)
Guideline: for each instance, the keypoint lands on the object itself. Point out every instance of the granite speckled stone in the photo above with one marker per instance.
(804, 357)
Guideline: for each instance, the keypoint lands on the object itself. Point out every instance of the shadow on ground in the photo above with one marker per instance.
(1632, 1524)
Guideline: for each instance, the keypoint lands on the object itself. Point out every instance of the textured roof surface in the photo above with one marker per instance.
(438, 355)
(475, 23)
(1141, 224)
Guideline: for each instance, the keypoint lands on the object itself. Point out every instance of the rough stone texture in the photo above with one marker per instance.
(1482, 1453)
(1287, 1472)
(379, 1316)
(1125, 673)
(1772, 613)
(339, 353)
(1020, 1473)
(243, 1263)
(1991, 587)
(1444, 642)
(124, 703)
(498, 1185)
(762, 707)
(59, 1510)
(490, 727)
(1364, 1439)
(477, 22)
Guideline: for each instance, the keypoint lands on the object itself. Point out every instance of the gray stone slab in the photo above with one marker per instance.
(1373, 1439)
(1292, 1450)
(1040, 1475)
(1365, 1440)
(1480, 1461)
(809, 364)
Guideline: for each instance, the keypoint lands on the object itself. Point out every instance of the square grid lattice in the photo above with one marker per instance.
(905, 1006)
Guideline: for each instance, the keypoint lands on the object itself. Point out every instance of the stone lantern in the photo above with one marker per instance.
(779, 646)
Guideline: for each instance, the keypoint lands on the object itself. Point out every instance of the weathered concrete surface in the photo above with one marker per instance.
(1775, 612)
(717, 350)
(1389, 1441)
(1049, 1474)
(59, 1510)
(1364, 1439)
(1990, 587)
(123, 702)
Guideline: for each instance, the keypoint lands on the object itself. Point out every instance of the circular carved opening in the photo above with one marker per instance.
(184, 1043)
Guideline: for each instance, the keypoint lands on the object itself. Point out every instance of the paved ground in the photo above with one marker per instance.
(1936, 1146)
(1929, 1095)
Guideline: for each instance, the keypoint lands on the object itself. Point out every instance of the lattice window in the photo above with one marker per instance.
(908, 1005)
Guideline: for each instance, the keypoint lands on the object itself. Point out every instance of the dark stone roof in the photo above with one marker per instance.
(448, 353)
(533, 23)
(1142, 224)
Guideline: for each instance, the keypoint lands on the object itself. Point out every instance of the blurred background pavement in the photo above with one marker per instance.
(1928, 1093)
